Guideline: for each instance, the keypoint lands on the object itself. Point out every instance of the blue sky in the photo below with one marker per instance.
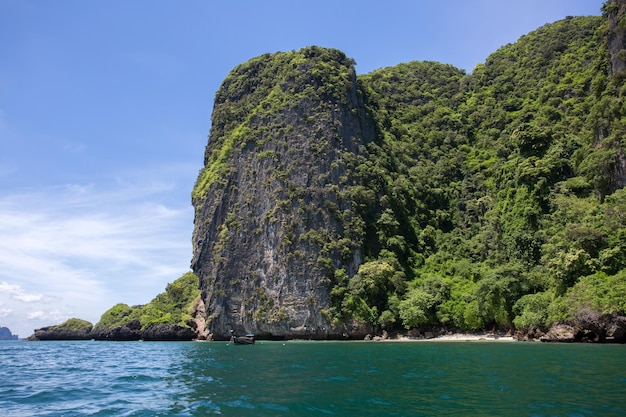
(105, 110)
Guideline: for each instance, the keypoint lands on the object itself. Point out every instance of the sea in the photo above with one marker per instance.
(301, 378)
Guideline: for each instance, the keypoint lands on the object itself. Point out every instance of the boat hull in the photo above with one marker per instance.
(243, 340)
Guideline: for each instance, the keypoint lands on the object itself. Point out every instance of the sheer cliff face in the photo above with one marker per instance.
(273, 221)
(617, 36)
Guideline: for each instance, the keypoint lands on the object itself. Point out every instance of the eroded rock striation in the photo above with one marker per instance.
(272, 218)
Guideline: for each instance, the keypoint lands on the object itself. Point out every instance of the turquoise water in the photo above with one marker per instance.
(311, 379)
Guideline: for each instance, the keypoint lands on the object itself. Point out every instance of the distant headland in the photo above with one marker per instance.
(5, 334)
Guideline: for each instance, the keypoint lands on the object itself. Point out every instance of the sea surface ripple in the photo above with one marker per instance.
(311, 379)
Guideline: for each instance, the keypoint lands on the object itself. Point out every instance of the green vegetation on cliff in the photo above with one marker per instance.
(75, 325)
(274, 209)
(258, 90)
(499, 197)
(174, 307)
(491, 199)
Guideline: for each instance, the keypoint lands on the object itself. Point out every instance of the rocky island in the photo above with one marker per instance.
(5, 334)
(415, 198)
(332, 205)
(176, 314)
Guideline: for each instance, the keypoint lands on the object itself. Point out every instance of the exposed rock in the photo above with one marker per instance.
(125, 332)
(198, 324)
(528, 335)
(126, 328)
(595, 327)
(616, 330)
(73, 329)
(167, 332)
(587, 327)
(616, 42)
(617, 37)
(269, 205)
(561, 332)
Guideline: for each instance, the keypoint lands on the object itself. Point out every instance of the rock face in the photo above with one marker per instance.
(156, 332)
(616, 39)
(590, 327)
(617, 36)
(127, 332)
(198, 323)
(165, 332)
(73, 329)
(271, 222)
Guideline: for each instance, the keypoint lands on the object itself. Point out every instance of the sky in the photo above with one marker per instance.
(105, 110)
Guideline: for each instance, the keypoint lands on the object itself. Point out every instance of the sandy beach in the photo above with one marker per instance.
(454, 337)
(469, 338)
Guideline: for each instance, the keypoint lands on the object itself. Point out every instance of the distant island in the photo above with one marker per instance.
(5, 334)
(175, 314)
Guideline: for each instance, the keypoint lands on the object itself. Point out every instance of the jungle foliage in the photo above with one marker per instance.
(174, 306)
(493, 199)
(74, 325)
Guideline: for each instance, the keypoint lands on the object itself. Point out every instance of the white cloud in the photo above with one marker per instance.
(77, 250)
(28, 298)
(5, 312)
(53, 316)
(35, 315)
(17, 293)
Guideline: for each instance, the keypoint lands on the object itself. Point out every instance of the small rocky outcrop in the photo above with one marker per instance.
(125, 332)
(133, 331)
(528, 334)
(176, 314)
(72, 329)
(587, 327)
(168, 332)
(130, 331)
(560, 332)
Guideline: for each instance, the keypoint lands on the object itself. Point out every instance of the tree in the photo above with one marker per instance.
(415, 309)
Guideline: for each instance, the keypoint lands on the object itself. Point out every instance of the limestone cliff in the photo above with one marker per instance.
(616, 36)
(616, 40)
(417, 196)
(272, 219)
